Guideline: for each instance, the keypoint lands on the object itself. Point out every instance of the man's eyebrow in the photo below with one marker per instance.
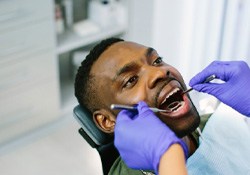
(126, 68)
(149, 52)
(131, 66)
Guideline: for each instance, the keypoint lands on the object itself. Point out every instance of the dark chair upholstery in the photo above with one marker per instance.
(104, 143)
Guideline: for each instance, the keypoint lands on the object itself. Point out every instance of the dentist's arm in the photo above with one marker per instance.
(173, 161)
(145, 142)
(235, 92)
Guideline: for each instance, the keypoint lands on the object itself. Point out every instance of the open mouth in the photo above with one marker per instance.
(173, 101)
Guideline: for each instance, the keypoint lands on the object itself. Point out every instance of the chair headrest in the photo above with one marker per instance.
(85, 119)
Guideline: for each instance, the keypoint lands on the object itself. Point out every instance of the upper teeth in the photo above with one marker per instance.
(171, 93)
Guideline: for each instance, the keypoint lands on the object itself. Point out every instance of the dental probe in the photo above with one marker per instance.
(117, 106)
(208, 79)
(199, 132)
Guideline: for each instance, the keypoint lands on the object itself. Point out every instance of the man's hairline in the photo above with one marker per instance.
(92, 76)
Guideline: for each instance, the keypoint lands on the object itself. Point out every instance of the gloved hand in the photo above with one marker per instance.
(236, 89)
(141, 138)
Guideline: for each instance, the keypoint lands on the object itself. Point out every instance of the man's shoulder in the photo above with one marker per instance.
(204, 119)
(120, 168)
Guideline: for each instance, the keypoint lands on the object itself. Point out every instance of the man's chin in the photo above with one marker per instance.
(187, 129)
(190, 125)
(184, 125)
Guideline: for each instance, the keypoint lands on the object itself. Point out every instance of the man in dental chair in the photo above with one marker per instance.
(122, 72)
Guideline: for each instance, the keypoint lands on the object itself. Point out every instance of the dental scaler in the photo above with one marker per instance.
(117, 106)
(208, 79)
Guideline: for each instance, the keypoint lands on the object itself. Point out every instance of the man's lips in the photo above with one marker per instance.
(172, 100)
(168, 90)
(181, 110)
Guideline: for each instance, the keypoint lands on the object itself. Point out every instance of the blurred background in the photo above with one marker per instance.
(43, 42)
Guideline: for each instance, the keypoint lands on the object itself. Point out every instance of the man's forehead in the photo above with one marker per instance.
(117, 55)
(122, 48)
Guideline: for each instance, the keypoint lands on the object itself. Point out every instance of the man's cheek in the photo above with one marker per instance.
(133, 97)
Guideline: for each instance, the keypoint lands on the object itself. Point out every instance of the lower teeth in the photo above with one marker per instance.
(175, 105)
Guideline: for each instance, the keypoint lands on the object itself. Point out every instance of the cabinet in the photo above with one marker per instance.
(36, 65)
(29, 95)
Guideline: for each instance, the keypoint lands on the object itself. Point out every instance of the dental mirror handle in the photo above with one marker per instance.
(120, 107)
(208, 79)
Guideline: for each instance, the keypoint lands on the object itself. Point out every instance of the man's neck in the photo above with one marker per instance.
(191, 143)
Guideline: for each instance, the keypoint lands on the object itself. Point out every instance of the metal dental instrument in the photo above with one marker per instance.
(208, 79)
(199, 132)
(117, 106)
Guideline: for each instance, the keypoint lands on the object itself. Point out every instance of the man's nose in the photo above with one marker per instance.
(157, 75)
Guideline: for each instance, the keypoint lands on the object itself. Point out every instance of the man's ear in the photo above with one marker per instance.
(105, 120)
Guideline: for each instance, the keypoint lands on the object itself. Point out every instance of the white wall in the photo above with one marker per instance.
(168, 38)
(141, 17)
(236, 35)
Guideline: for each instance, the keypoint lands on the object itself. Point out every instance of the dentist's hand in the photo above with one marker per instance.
(236, 89)
(142, 138)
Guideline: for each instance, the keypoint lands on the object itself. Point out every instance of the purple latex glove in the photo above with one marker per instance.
(236, 89)
(142, 138)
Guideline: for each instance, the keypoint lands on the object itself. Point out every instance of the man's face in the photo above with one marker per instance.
(127, 73)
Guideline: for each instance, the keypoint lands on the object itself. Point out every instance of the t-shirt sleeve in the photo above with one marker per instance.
(120, 168)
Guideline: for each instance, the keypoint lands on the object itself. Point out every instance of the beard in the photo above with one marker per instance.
(190, 125)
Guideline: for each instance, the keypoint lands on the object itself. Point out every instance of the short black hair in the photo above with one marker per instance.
(84, 90)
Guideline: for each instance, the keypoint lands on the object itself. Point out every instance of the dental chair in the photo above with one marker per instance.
(102, 142)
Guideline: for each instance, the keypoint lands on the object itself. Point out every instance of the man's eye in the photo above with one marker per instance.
(157, 61)
(131, 81)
